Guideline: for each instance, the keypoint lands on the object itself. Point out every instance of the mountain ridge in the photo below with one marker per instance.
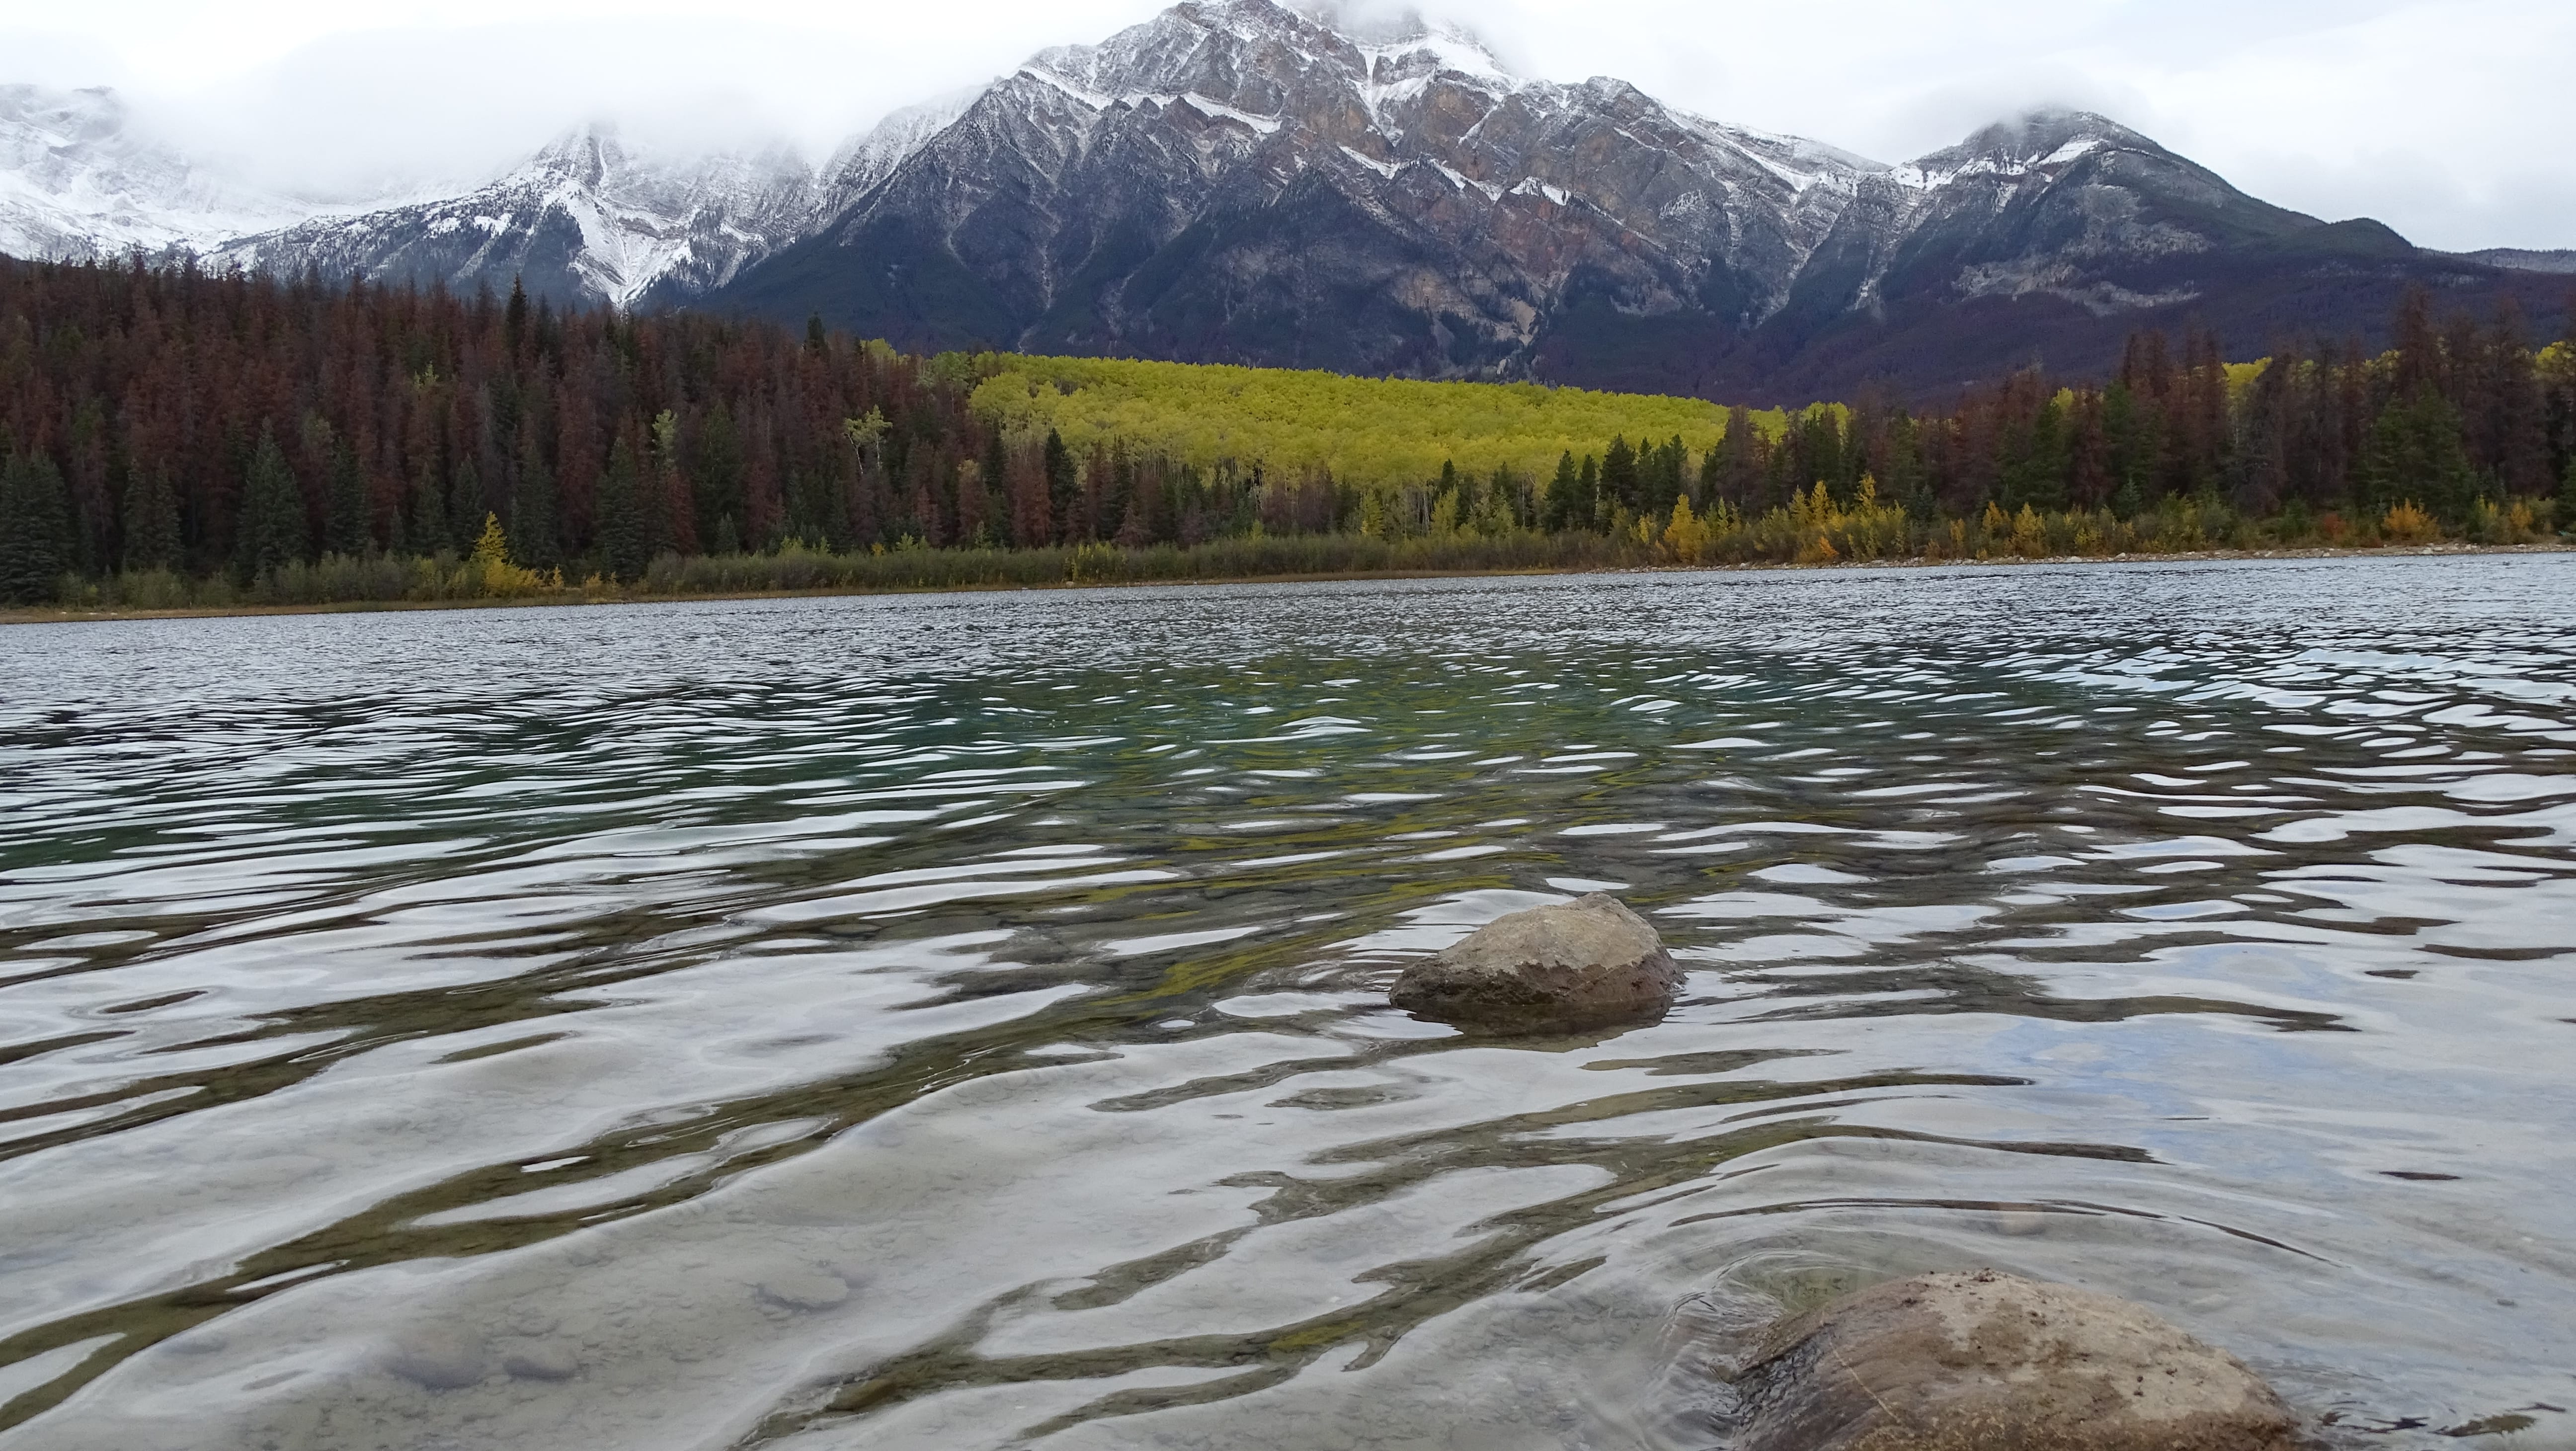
(1239, 181)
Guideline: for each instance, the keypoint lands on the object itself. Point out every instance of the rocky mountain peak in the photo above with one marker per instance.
(2047, 136)
(584, 156)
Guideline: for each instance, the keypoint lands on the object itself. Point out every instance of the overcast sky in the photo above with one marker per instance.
(2449, 119)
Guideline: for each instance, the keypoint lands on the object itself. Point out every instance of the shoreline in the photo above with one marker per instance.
(74, 615)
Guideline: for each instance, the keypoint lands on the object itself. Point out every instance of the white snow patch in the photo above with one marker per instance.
(1462, 182)
(1386, 169)
(2082, 146)
(1087, 96)
(1218, 110)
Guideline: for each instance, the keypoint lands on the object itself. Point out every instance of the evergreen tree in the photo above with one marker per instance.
(514, 319)
(1666, 482)
(1591, 510)
(35, 527)
(1620, 485)
(625, 534)
(996, 482)
(272, 533)
(1739, 461)
(2033, 472)
(536, 537)
(2415, 455)
(815, 341)
(1562, 506)
(428, 525)
(1064, 487)
(151, 521)
(346, 528)
(465, 510)
(1820, 453)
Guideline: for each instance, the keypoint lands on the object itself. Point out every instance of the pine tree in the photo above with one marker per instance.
(1557, 509)
(1739, 468)
(1062, 483)
(346, 528)
(465, 509)
(272, 533)
(1620, 484)
(428, 523)
(151, 521)
(535, 535)
(35, 527)
(2415, 455)
(625, 535)
(514, 319)
(1591, 511)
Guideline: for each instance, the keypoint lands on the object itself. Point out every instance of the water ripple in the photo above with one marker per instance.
(960, 1021)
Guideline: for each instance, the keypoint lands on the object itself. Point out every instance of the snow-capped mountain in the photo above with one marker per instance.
(78, 181)
(586, 218)
(1236, 180)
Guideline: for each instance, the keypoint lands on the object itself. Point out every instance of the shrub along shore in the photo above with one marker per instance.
(487, 578)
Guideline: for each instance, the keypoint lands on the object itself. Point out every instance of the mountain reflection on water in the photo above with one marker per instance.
(958, 1021)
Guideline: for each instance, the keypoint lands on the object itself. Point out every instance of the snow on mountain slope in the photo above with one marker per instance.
(1237, 179)
(584, 218)
(77, 181)
(868, 159)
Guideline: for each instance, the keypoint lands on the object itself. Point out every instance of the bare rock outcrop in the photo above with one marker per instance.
(1988, 1362)
(1586, 961)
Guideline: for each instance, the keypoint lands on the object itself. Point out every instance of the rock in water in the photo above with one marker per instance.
(1987, 1362)
(1584, 961)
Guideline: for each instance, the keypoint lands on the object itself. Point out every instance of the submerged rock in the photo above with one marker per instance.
(1988, 1362)
(1587, 960)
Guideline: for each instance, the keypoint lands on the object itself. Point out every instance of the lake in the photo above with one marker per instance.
(959, 1021)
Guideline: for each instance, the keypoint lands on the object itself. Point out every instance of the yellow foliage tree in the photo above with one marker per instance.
(2408, 524)
(1686, 536)
(2029, 533)
(490, 572)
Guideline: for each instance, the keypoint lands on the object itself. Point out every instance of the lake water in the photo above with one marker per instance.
(959, 1022)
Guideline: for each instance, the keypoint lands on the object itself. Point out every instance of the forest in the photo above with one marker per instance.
(173, 438)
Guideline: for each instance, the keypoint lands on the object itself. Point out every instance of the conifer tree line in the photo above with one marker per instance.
(169, 420)
(2459, 411)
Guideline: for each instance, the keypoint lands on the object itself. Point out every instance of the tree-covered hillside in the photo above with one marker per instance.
(178, 437)
(1366, 432)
